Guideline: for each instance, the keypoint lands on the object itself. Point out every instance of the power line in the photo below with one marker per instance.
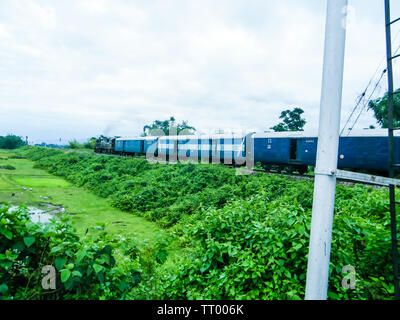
(362, 96)
(367, 101)
(354, 109)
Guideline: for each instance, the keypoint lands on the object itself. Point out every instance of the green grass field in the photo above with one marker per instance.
(85, 208)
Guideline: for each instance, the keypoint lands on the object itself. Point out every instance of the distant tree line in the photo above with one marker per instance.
(11, 141)
(50, 145)
(169, 127)
(89, 144)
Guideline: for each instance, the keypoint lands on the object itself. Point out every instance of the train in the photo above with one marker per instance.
(289, 151)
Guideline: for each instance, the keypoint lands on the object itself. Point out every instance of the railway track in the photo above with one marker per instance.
(340, 181)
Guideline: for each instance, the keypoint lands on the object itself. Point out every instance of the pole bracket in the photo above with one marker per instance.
(325, 172)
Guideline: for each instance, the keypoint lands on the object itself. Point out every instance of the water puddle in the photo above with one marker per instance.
(49, 211)
(38, 215)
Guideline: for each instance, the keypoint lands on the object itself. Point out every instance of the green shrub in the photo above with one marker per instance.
(11, 142)
(257, 249)
(85, 267)
(248, 234)
(7, 167)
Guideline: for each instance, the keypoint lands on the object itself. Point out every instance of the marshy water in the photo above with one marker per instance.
(43, 215)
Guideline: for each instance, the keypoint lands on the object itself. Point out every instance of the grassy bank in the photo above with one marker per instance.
(250, 233)
(85, 208)
(30, 186)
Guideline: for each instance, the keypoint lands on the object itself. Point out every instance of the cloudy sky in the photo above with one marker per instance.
(81, 68)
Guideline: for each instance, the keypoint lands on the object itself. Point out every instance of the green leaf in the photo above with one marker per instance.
(205, 267)
(77, 273)
(123, 285)
(297, 247)
(7, 234)
(80, 255)
(59, 263)
(65, 274)
(70, 266)
(106, 258)
(29, 241)
(69, 284)
(3, 288)
(136, 276)
(97, 268)
(161, 256)
(56, 249)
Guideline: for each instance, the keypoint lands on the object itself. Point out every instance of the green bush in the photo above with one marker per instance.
(11, 142)
(7, 167)
(258, 249)
(248, 234)
(85, 266)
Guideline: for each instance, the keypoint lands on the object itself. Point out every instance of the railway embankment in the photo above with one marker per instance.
(247, 235)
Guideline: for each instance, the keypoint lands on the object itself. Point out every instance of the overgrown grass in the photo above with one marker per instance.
(250, 233)
(86, 208)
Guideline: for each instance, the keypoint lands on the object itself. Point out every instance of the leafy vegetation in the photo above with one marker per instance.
(90, 144)
(257, 249)
(86, 266)
(291, 121)
(7, 167)
(380, 108)
(248, 234)
(11, 142)
(167, 127)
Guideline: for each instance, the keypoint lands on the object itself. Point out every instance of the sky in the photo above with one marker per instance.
(80, 68)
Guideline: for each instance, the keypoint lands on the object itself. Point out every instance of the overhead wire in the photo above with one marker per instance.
(361, 97)
(367, 101)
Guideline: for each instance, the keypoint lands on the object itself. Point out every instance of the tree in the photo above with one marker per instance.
(11, 142)
(90, 144)
(74, 145)
(380, 108)
(292, 121)
(167, 126)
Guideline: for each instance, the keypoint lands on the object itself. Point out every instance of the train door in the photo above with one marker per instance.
(295, 149)
(142, 146)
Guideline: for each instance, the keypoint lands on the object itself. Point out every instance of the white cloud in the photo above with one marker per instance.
(80, 68)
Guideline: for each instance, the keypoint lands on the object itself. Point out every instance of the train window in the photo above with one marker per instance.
(269, 140)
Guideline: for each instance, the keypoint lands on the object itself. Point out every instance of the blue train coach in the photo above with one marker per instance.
(294, 151)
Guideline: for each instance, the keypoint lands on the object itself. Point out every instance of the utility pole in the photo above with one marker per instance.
(327, 152)
(391, 164)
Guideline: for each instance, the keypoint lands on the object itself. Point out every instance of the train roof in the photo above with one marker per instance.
(284, 134)
(314, 134)
(205, 136)
(138, 138)
(187, 137)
